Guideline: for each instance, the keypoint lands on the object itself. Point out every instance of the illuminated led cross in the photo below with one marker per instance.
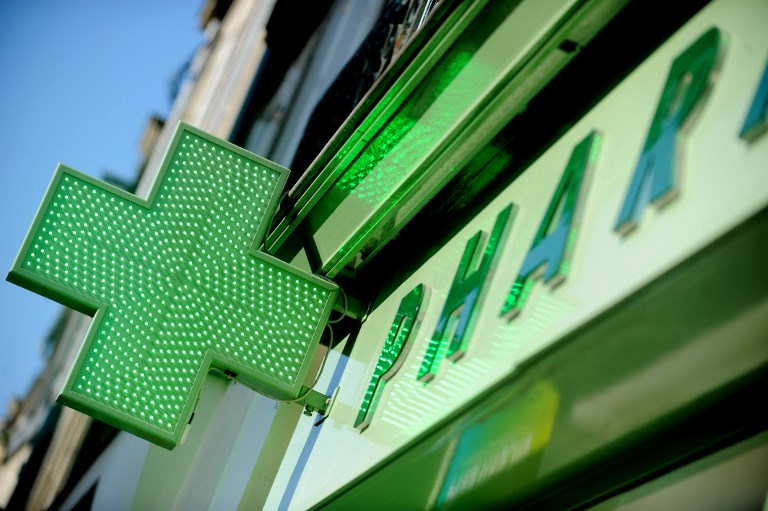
(176, 285)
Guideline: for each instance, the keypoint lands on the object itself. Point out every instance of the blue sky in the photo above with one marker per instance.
(78, 80)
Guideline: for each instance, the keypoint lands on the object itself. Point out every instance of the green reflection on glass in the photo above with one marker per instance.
(395, 350)
(756, 122)
(367, 179)
(689, 79)
(412, 133)
(553, 244)
(457, 319)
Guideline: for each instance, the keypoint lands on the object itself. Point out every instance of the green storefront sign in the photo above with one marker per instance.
(655, 180)
(176, 285)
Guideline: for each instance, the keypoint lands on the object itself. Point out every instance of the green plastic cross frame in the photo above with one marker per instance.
(176, 286)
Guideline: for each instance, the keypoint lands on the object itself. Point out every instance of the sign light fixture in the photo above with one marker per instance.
(176, 286)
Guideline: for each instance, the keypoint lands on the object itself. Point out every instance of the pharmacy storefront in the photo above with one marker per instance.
(598, 323)
(549, 236)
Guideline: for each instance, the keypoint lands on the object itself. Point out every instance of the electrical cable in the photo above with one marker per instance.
(346, 307)
(319, 372)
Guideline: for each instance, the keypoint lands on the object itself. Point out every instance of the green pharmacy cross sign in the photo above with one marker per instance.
(176, 286)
